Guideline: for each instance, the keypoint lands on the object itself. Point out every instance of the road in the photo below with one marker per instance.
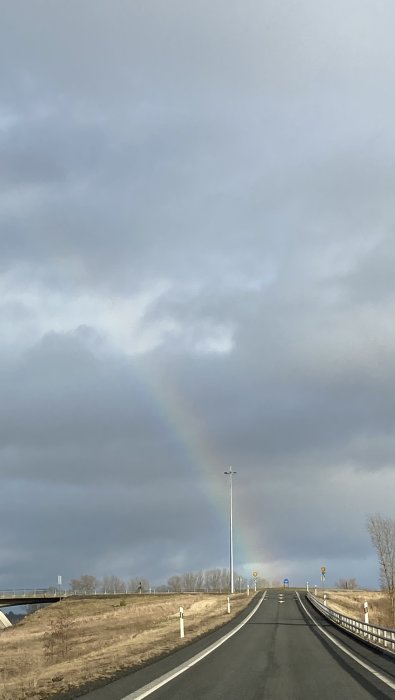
(280, 654)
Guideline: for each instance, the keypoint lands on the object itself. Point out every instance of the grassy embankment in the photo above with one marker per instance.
(350, 603)
(80, 642)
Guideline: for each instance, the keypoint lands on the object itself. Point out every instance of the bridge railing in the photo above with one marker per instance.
(56, 593)
(28, 593)
(382, 637)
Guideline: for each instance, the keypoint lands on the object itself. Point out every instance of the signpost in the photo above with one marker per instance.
(323, 573)
(255, 576)
(286, 583)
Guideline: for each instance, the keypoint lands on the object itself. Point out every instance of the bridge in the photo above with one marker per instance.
(24, 596)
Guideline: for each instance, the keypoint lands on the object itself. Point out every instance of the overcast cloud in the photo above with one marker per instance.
(197, 270)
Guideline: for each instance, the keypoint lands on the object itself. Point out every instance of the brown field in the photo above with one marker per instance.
(79, 642)
(351, 603)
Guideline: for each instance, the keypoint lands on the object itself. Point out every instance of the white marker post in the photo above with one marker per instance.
(228, 605)
(315, 590)
(307, 586)
(182, 623)
(248, 589)
(366, 612)
(325, 599)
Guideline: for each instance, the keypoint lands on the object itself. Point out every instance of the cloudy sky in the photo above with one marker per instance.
(197, 271)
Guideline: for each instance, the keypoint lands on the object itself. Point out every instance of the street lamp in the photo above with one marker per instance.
(231, 582)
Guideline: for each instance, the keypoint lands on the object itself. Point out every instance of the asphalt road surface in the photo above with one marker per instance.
(279, 654)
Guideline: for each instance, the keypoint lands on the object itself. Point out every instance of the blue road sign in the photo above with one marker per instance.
(286, 580)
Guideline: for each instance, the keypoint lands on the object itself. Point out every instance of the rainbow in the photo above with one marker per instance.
(177, 414)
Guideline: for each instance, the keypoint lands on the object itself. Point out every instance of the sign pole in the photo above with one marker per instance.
(231, 581)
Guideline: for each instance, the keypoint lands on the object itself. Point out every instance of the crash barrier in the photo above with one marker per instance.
(382, 637)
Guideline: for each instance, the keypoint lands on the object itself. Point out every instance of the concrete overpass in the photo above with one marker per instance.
(26, 597)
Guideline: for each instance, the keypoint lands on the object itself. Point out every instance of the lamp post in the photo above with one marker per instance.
(231, 582)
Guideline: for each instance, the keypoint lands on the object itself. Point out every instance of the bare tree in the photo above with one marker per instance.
(216, 579)
(85, 584)
(211, 579)
(138, 585)
(174, 583)
(192, 580)
(262, 583)
(382, 534)
(350, 584)
(57, 641)
(113, 584)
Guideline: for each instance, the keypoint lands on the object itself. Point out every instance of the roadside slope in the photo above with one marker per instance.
(79, 642)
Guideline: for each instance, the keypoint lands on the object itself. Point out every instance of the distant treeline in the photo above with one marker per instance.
(215, 580)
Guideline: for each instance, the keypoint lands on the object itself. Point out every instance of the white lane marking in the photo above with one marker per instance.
(167, 677)
(334, 641)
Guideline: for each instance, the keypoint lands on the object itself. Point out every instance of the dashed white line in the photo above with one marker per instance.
(167, 677)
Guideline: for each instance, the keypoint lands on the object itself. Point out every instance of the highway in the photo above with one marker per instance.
(279, 654)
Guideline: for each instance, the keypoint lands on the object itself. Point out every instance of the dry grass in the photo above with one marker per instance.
(350, 603)
(77, 642)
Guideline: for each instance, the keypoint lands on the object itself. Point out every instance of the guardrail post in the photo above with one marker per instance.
(373, 634)
(181, 623)
(366, 612)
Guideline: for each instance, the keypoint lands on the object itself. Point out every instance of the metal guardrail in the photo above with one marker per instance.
(53, 593)
(382, 637)
(29, 593)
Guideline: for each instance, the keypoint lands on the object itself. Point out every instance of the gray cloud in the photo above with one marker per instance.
(196, 271)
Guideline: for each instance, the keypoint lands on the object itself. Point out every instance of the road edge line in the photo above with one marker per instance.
(167, 677)
(334, 641)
